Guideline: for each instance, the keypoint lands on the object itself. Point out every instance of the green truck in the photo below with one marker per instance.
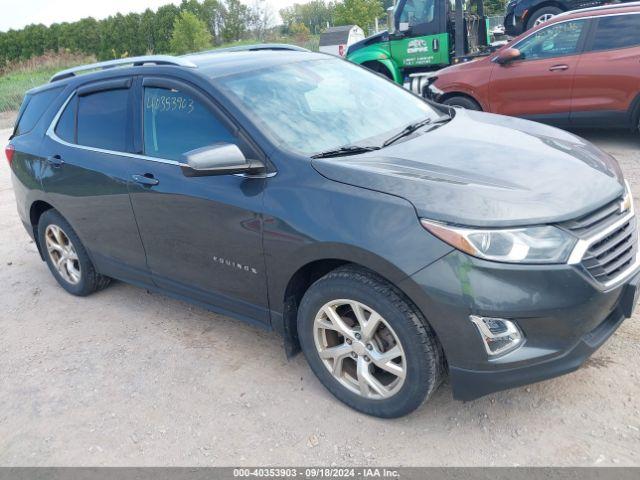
(423, 36)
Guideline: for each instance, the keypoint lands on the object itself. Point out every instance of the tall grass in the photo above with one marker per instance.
(17, 78)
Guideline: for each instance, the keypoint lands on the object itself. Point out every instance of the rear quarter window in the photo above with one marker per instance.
(32, 109)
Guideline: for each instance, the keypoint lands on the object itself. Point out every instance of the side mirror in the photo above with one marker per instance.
(508, 55)
(391, 21)
(218, 159)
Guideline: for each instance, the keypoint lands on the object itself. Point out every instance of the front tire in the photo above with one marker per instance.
(66, 256)
(368, 345)
(462, 102)
(542, 15)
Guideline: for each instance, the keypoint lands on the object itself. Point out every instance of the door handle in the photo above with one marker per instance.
(55, 161)
(147, 180)
(557, 68)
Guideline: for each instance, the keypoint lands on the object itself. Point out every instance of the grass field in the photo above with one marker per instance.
(16, 79)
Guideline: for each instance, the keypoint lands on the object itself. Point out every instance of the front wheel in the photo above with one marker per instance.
(368, 346)
(542, 15)
(462, 102)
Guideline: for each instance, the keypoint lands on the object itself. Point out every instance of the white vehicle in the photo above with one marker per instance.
(335, 40)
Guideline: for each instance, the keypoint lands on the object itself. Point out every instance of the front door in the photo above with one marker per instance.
(87, 175)
(202, 235)
(539, 84)
(421, 38)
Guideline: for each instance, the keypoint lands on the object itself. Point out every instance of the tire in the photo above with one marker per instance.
(544, 13)
(401, 328)
(462, 102)
(58, 242)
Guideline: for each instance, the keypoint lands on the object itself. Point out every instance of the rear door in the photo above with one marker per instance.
(608, 73)
(86, 175)
(539, 84)
(202, 235)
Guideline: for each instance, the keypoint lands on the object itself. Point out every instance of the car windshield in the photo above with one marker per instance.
(319, 105)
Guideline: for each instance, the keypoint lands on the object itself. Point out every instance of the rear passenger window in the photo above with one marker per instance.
(618, 31)
(103, 120)
(176, 123)
(66, 128)
(32, 109)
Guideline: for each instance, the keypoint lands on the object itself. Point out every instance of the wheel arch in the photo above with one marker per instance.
(379, 55)
(308, 273)
(458, 93)
(379, 67)
(37, 208)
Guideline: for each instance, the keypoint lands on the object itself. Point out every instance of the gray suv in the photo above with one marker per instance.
(393, 240)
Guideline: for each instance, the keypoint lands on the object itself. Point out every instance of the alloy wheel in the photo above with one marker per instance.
(63, 254)
(543, 18)
(360, 349)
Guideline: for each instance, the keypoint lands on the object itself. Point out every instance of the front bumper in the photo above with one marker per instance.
(564, 316)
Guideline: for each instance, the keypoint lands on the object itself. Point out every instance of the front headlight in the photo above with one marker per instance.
(544, 244)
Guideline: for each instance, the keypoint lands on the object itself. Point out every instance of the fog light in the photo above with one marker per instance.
(498, 335)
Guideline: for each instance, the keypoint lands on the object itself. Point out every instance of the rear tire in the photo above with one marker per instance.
(542, 15)
(462, 102)
(387, 368)
(66, 256)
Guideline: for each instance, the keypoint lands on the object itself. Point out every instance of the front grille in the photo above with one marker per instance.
(596, 221)
(610, 256)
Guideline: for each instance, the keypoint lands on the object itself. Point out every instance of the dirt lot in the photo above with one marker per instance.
(129, 378)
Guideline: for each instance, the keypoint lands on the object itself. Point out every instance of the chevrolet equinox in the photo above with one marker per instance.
(392, 240)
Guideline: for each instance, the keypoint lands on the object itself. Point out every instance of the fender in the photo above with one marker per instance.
(377, 53)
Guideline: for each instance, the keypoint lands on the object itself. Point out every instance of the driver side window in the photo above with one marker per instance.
(557, 40)
(416, 12)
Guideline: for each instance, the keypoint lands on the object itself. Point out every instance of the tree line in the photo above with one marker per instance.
(136, 33)
(192, 25)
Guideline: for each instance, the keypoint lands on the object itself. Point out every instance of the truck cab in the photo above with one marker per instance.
(422, 36)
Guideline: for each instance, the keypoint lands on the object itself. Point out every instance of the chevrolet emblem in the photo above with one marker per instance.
(625, 204)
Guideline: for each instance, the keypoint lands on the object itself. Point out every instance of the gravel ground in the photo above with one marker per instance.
(125, 377)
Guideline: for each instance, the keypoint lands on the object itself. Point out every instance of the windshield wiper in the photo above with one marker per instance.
(409, 129)
(346, 150)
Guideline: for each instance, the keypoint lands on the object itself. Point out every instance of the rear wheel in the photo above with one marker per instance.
(367, 345)
(542, 15)
(66, 256)
(462, 102)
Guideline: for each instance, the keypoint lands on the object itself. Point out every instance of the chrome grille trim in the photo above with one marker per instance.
(607, 245)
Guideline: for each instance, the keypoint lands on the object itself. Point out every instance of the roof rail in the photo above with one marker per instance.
(134, 61)
(609, 6)
(258, 47)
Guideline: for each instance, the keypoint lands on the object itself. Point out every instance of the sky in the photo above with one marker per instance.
(18, 13)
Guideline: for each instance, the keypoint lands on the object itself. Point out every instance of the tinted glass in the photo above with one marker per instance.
(103, 120)
(619, 31)
(66, 128)
(317, 105)
(416, 12)
(33, 108)
(555, 41)
(176, 123)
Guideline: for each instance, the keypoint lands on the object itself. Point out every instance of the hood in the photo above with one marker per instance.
(487, 170)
